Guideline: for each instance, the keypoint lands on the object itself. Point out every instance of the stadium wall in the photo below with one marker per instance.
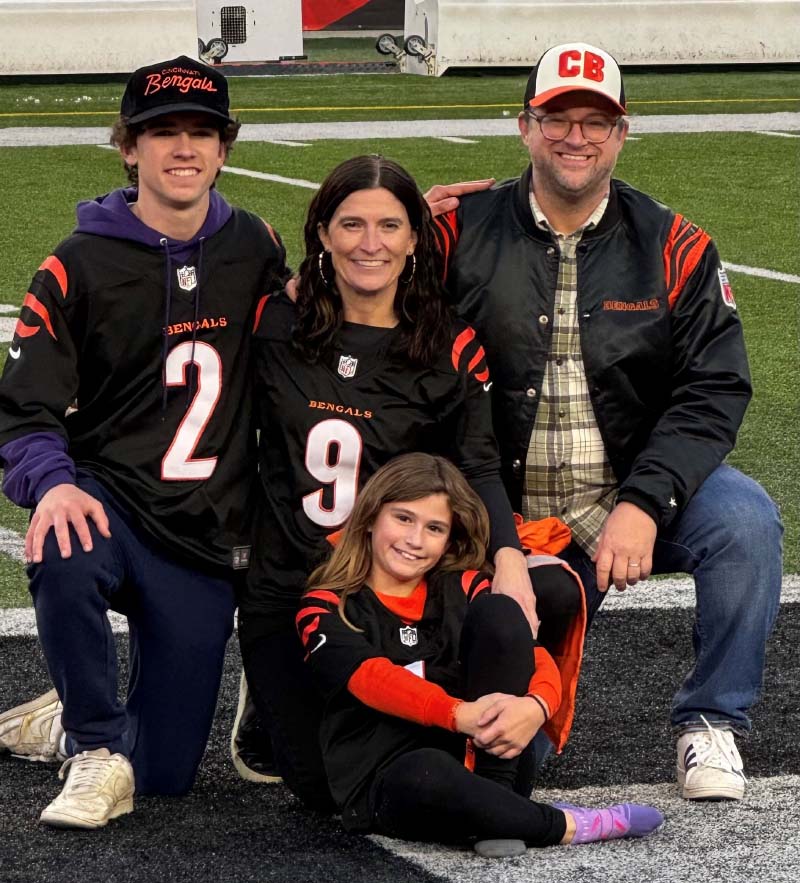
(514, 33)
(93, 36)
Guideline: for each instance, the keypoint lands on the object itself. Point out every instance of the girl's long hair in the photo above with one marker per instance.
(406, 478)
(420, 302)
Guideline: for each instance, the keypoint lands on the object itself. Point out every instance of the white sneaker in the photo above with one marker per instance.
(99, 787)
(33, 731)
(709, 765)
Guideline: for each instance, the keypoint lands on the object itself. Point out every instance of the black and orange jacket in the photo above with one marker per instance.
(662, 343)
(327, 427)
(399, 674)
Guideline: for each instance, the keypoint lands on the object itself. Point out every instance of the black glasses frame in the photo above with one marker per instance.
(541, 119)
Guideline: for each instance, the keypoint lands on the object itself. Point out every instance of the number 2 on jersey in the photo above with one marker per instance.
(178, 464)
(333, 456)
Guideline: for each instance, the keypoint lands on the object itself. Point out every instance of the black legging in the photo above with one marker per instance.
(428, 795)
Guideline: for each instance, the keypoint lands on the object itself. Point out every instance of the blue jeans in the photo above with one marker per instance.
(179, 618)
(729, 538)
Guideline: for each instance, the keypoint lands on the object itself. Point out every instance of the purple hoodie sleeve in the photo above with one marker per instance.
(34, 464)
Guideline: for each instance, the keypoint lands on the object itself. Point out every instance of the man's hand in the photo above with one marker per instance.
(512, 578)
(508, 726)
(62, 506)
(444, 197)
(625, 551)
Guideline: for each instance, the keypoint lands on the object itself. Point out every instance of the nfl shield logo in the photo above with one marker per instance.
(408, 636)
(187, 278)
(347, 366)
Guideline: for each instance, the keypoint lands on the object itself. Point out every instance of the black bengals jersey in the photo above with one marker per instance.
(163, 415)
(392, 685)
(327, 427)
(356, 739)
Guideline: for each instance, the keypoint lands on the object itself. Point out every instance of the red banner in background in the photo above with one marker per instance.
(318, 14)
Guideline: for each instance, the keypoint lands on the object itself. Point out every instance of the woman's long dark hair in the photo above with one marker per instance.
(420, 302)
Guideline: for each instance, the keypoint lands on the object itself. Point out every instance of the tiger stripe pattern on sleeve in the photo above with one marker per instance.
(683, 250)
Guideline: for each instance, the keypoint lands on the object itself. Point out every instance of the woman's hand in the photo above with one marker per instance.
(512, 578)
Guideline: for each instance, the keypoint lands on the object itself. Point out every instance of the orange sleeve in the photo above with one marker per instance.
(546, 680)
(392, 689)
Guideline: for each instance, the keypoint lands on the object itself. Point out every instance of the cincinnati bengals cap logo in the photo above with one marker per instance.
(573, 67)
(178, 85)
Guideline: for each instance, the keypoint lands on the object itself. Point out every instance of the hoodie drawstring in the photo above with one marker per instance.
(167, 307)
(196, 322)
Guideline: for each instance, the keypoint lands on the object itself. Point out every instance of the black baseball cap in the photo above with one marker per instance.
(179, 85)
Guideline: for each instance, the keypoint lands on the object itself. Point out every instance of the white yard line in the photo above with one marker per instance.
(667, 594)
(679, 592)
(762, 274)
(285, 143)
(265, 176)
(18, 622)
(11, 543)
(779, 134)
(46, 136)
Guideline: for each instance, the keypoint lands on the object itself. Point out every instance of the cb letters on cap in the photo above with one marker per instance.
(569, 65)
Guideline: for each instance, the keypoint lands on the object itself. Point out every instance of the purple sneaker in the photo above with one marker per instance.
(620, 820)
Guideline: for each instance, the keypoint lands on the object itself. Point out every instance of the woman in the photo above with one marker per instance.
(367, 364)
(413, 655)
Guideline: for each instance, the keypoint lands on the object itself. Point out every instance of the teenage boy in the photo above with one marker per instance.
(125, 425)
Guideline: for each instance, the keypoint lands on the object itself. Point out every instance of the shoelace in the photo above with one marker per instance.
(717, 749)
(88, 772)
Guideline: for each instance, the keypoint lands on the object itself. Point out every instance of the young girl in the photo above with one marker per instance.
(421, 667)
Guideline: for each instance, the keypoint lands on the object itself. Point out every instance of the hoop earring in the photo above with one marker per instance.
(325, 281)
(413, 269)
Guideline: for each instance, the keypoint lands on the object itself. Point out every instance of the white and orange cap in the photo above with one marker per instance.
(575, 67)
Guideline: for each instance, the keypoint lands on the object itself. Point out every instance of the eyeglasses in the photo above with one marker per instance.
(596, 130)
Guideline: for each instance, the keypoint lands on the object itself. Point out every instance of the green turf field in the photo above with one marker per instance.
(743, 188)
(399, 96)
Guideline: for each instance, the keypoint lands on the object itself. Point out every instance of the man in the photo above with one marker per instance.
(141, 320)
(620, 381)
